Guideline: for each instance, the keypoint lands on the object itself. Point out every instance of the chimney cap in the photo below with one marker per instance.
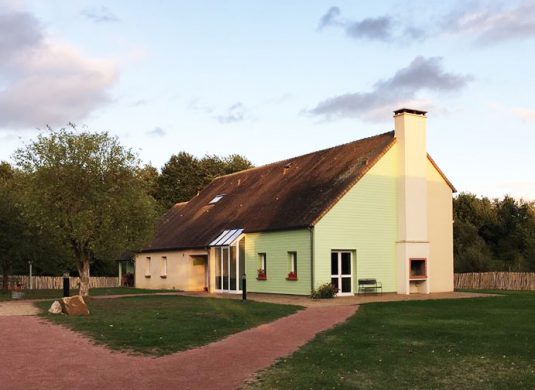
(410, 111)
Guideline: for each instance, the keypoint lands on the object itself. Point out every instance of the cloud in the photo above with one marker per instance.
(235, 113)
(43, 81)
(493, 25)
(369, 28)
(421, 74)
(99, 15)
(525, 114)
(157, 132)
(330, 18)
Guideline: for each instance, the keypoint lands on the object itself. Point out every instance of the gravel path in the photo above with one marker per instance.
(17, 308)
(37, 354)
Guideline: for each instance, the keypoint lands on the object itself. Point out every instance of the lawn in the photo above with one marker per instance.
(51, 294)
(484, 343)
(159, 325)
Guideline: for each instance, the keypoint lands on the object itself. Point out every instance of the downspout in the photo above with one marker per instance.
(311, 229)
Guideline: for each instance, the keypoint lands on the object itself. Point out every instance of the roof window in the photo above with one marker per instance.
(216, 199)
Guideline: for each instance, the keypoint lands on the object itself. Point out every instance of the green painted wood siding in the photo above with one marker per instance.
(276, 246)
(364, 221)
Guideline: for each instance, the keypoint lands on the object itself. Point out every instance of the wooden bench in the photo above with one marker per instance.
(368, 285)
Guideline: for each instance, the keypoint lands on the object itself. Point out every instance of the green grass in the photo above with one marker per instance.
(51, 294)
(159, 325)
(482, 343)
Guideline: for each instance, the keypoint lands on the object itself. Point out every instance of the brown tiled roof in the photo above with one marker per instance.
(289, 194)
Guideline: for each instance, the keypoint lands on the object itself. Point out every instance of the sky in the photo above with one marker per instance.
(275, 79)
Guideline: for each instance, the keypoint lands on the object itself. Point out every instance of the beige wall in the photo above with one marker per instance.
(440, 222)
(186, 270)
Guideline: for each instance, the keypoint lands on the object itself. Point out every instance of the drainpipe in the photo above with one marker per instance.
(311, 230)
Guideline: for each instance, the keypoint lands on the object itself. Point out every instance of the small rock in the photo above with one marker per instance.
(55, 308)
(74, 306)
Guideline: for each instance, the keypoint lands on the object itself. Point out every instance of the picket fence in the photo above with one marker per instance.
(496, 281)
(56, 282)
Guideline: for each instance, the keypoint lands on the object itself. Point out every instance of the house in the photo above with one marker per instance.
(375, 208)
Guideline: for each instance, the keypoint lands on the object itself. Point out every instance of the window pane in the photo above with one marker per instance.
(334, 282)
(346, 263)
(233, 268)
(225, 268)
(334, 263)
(346, 285)
(218, 268)
(241, 269)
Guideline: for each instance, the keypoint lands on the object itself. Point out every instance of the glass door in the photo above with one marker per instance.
(342, 272)
(228, 268)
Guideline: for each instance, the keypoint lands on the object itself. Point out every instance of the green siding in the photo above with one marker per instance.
(276, 245)
(364, 221)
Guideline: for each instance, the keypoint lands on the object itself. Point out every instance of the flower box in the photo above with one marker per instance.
(261, 275)
(292, 276)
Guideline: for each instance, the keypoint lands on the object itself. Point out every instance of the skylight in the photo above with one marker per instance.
(216, 199)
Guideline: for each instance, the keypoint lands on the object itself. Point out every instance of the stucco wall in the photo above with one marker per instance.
(276, 245)
(364, 221)
(185, 270)
(440, 222)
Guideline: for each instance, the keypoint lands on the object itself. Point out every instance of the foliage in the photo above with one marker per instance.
(159, 325)
(324, 291)
(493, 235)
(481, 343)
(184, 175)
(89, 192)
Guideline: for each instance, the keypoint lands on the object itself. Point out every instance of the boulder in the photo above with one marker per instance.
(55, 308)
(74, 306)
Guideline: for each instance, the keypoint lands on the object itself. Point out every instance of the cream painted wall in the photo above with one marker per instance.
(364, 221)
(440, 222)
(186, 270)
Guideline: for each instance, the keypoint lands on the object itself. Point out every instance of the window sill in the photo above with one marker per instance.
(163, 276)
(147, 276)
(292, 279)
(261, 278)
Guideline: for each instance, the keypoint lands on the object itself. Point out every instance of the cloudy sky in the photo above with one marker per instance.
(275, 79)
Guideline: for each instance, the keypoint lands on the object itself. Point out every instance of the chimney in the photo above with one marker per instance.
(410, 133)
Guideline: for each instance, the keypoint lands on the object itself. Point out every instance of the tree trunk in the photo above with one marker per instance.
(83, 272)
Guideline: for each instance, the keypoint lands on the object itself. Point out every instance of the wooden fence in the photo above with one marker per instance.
(496, 281)
(56, 282)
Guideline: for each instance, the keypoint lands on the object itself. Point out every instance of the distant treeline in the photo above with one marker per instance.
(493, 234)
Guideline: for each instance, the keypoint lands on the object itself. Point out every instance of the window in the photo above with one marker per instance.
(163, 271)
(262, 266)
(216, 199)
(147, 267)
(292, 261)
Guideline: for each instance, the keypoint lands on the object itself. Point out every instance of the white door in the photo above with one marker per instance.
(342, 272)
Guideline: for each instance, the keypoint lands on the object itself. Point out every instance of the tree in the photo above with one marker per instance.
(13, 232)
(184, 175)
(89, 192)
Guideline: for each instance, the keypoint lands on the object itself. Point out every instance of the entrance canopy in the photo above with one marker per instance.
(227, 237)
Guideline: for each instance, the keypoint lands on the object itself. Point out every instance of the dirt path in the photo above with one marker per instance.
(17, 308)
(38, 354)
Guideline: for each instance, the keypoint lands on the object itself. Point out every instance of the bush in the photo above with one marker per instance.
(326, 290)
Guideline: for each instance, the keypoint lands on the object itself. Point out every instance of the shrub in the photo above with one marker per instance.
(326, 290)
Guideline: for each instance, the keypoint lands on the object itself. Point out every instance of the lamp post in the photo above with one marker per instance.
(243, 288)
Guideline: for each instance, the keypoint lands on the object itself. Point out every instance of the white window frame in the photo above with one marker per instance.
(263, 259)
(292, 256)
(147, 266)
(163, 270)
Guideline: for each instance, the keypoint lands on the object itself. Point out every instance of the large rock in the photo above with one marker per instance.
(74, 306)
(55, 308)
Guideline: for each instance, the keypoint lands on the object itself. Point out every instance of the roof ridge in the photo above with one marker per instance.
(303, 155)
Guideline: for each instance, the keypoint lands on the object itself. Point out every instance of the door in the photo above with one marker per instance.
(228, 268)
(342, 272)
